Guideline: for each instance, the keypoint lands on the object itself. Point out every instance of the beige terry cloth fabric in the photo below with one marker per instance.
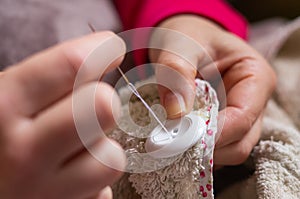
(277, 155)
(186, 175)
(276, 158)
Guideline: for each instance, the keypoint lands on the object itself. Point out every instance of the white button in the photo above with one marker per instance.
(183, 133)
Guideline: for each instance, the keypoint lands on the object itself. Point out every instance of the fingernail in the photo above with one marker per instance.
(174, 104)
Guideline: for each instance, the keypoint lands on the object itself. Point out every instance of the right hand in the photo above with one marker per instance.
(41, 155)
(248, 80)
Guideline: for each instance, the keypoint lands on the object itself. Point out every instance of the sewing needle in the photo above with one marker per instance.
(136, 93)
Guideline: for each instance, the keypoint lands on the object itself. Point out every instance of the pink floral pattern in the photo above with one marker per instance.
(208, 141)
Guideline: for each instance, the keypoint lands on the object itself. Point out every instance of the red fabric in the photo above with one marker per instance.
(148, 13)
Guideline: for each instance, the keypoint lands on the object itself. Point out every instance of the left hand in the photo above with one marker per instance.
(248, 79)
(41, 152)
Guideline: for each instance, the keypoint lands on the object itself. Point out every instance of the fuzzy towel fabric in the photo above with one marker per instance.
(188, 175)
(278, 154)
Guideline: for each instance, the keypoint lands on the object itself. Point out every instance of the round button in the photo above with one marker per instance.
(182, 134)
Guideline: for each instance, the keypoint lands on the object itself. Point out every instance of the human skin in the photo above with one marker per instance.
(41, 154)
(248, 80)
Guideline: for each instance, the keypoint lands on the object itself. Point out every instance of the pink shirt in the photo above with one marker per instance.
(148, 13)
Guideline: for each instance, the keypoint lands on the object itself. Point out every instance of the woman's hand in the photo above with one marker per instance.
(41, 153)
(247, 77)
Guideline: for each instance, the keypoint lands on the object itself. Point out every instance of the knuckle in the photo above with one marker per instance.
(268, 75)
(260, 67)
(243, 151)
(249, 66)
(21, 146)
(245, 118)
(180, 65)
(73, 60)
(250, 117)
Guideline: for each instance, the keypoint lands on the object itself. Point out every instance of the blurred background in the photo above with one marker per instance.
(256, 10)
(28, 26)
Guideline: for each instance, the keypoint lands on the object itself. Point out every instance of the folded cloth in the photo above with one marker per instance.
(278, 154)
(188, 175)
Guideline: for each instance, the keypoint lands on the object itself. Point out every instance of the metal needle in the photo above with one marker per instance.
(137, 94)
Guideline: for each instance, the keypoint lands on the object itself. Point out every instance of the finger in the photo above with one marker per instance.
(238, 152)
(247, 90)
(47, 76)
(176, 83)
(233, 125)
(176, 68)
(86, 175)
(78, 120)
(105, 193)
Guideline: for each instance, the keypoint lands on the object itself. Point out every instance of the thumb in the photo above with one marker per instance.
(176, 83)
